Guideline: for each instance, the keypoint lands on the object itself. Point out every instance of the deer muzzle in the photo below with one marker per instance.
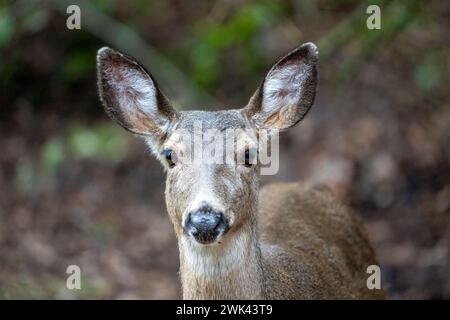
(206, 225)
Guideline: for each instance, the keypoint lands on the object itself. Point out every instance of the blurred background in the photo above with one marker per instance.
(77, 189)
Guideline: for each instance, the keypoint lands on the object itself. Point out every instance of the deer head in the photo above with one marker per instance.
(209, 202)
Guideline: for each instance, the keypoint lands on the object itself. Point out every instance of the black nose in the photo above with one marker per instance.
(205, 225)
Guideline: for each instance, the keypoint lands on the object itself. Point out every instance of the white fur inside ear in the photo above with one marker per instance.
(135, 89)
(283, 87)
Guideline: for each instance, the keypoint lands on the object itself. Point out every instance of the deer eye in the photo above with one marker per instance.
(170, 156)
(249, 155)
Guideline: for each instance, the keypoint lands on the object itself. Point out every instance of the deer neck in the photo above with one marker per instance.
(229, 270)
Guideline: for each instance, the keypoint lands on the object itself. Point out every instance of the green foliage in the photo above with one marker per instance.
(429, 72)
(104, 142)
(35, 20)
(79, 63)
(6, 27)
(213, 38)
(395, 16)
(107, 6)
(53, 154)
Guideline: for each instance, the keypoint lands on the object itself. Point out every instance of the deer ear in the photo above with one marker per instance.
(287, 92)
(130, 96)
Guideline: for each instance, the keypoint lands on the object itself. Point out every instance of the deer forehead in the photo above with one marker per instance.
(219, 120)
(212, 122)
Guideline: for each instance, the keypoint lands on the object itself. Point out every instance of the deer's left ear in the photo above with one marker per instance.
(287, 92)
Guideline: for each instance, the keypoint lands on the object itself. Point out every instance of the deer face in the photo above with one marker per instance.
(211, 180)
(211, 158)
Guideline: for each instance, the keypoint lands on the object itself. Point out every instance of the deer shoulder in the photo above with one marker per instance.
(314, 243)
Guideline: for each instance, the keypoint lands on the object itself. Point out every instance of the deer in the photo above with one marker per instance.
(288, 240)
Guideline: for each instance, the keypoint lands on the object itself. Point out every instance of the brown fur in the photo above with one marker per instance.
(327, 240)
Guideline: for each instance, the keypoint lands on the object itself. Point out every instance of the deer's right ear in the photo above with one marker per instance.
(130, 96)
